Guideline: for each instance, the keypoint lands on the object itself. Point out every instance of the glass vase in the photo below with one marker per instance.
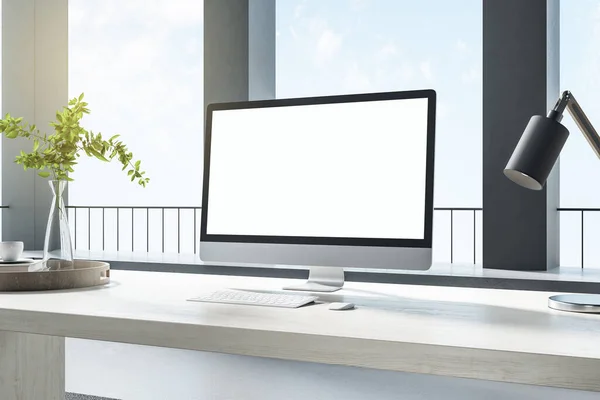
(58, 248)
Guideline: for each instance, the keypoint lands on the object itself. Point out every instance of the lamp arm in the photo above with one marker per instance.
(568, 101)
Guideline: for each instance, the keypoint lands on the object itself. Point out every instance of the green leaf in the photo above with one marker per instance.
(97, 154)
(130, 172)
(80, 97)
(137, 164)
(44, 174)
(36, 144)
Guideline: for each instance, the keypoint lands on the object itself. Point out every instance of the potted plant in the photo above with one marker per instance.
(55, 155)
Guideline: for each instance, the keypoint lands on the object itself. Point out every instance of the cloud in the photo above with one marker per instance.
(472, 75)
(406, 71)
(442, 109)
(328, 46)
(183, 12)
(356, 80)
(77, 16)
(321, 41)
(592, 60)
(358, 5)
(461, 46)
(389, 49)
(192, 45)
(425, 68)
(299, 9)
(156, 14)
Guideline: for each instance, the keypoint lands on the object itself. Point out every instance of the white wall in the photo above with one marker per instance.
(131, 372)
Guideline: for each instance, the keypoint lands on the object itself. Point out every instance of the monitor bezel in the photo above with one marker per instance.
(426, 242)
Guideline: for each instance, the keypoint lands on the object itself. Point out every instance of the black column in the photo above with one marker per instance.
(239, 50)
(520, 79)
(225, 51)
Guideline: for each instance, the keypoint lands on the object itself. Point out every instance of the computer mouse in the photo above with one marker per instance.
(341, 306)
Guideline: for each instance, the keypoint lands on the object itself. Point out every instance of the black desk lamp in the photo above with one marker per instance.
(531, 163)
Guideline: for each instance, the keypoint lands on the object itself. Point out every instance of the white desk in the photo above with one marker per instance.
(498, 335)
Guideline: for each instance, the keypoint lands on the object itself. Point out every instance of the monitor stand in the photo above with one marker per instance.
(321, 279)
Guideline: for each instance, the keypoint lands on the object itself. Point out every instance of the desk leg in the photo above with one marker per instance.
(32, 367)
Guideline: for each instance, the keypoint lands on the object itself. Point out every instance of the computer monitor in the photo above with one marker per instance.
(324, 182)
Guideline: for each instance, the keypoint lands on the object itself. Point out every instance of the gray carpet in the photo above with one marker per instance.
(76, 396)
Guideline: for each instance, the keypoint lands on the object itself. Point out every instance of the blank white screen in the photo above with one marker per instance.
(349, 170)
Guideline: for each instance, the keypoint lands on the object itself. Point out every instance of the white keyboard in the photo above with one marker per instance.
(229, 296)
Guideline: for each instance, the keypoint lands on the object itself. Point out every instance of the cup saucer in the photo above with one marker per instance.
(19, 261)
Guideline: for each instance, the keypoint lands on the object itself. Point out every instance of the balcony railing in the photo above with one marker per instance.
(76, 211)
(581, 213)
(89, 228)
(452, 210)
(90, 233)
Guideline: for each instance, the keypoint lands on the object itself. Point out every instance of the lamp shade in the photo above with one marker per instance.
(537, 152)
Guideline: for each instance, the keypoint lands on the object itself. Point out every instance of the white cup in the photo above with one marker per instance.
(11, 251)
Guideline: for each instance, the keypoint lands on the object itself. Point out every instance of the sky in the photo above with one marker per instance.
(140, 65)
(354, 46)
(579, 166)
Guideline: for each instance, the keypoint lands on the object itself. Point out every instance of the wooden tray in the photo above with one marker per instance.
(81, 274)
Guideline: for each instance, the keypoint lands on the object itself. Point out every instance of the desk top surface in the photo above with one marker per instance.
(476, 333)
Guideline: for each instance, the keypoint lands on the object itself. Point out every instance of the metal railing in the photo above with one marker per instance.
(85, 212)
(452, 210)
(582, 212)
(79, 213)
(77, 209)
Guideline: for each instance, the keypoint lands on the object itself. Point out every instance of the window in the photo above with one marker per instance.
(341, 46)
(140, 64)
(579, 167)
